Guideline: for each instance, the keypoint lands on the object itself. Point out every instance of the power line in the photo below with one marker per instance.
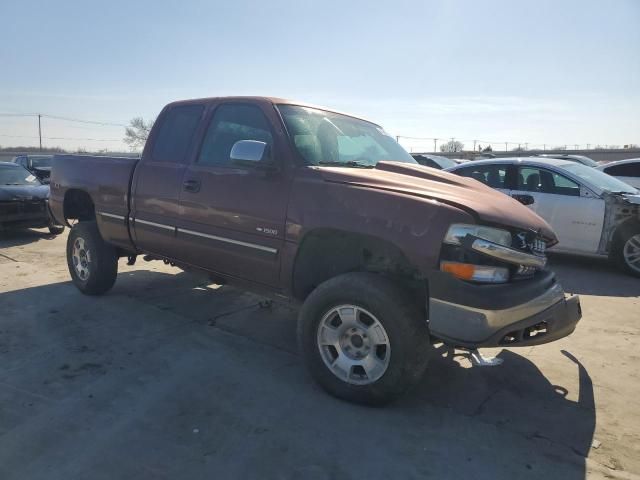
(63, 138)
(67, 119)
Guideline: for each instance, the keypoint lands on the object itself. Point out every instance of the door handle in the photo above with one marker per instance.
(192, 186)
(524, 198)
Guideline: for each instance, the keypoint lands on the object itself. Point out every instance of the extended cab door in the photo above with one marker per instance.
(157, 183)
(574, 213)
(233, 216)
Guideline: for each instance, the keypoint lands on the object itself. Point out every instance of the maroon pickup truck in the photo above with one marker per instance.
(386, 256)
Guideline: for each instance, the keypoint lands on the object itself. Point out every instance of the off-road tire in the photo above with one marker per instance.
(400, 316)
(102, 264)
(618, 250)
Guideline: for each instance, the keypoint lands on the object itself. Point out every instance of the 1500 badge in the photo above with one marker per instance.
(268, 231)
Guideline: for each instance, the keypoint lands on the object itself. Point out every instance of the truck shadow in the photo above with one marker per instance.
(593, 276)
(516, 397)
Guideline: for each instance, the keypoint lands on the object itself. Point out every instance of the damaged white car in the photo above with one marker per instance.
(591, 212)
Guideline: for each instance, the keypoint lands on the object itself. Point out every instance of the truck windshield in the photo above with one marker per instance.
(327, 138)
(17, 176)
(40, 162)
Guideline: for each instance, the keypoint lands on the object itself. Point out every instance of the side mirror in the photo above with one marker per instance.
(524, 198)
(251, 153)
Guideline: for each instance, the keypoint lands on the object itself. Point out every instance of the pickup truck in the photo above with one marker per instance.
(312, 206)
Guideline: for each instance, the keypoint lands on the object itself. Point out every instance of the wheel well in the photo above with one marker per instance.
(326, 253)
(622, 230)
(78, 205)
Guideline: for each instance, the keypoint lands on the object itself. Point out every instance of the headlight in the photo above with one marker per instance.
(458, 231)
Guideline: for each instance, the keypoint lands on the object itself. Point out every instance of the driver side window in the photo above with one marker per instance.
(230, 124)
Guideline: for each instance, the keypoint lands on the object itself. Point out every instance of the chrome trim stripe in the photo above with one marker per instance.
(153, 224)
(111, 215)
(508, 254)
(229, 240)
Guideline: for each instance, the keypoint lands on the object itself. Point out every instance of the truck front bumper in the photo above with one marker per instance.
(530, 312)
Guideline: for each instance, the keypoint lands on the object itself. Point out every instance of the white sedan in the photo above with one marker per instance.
(626, 170)
(591, 212)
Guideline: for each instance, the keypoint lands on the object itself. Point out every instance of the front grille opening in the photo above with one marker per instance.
(536, 330)
(511, 337)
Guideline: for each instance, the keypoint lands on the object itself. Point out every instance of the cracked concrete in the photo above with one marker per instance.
(168, 377)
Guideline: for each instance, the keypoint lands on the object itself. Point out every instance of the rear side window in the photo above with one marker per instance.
(230, 124)
(624, 170)
(493, 176)
(176, 133)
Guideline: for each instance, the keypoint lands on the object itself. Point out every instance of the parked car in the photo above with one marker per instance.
(434, 161)
(591, 212)
(23, 200)
(589, 162)
(39, 165)
(626, 170)
(300, 203)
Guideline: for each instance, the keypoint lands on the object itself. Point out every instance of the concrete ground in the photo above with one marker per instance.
(168, 377)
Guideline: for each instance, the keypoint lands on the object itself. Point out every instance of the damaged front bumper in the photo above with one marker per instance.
(524, 313)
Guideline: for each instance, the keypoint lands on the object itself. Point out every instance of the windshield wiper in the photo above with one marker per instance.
(350, 163)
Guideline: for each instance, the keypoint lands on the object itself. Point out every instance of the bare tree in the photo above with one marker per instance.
(452, 146)
(135, 135)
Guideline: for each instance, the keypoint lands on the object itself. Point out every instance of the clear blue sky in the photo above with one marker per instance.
(540, 71)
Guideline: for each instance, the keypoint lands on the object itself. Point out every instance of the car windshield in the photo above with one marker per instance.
(17, 176)
(444, 162)
(599, 178)
(327, 138)
(39, 162)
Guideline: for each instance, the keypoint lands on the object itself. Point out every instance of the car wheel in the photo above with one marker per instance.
(56, 229)
(363, 339)
(93, 263)
(626, 250)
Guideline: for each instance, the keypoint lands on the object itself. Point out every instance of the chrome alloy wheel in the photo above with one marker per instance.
(353, 345)
(631, 252)
(81, 259)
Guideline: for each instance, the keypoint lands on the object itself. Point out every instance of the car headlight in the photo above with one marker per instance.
(458, 231)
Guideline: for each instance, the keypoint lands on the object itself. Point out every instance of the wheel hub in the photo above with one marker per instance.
(81, 258)
(354, 344)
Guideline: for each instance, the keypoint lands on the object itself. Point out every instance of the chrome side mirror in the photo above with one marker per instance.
(249, 152)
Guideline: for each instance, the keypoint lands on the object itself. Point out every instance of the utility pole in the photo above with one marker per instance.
(576, 147)
(474, 145)
(544, 147)
(435, 145)
(588, 145)
(397, 138)
(506, 146)
(526, 145)
(40, 131)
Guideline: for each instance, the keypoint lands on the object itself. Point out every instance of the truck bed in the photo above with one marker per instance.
(106, 180)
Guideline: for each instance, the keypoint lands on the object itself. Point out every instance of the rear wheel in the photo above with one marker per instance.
(93, 263)
(627, 251)
(363, 339)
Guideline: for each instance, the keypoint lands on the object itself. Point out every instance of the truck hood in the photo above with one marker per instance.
(488, 205)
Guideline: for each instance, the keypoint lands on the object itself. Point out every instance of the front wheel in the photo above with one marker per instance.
(363, 339)
(93, 263)
(627, 251)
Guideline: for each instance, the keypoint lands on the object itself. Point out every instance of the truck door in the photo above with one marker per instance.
(577, 216)
(157, 183)
(233, 217)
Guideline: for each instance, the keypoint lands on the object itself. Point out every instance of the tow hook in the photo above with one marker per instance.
(478, 360)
